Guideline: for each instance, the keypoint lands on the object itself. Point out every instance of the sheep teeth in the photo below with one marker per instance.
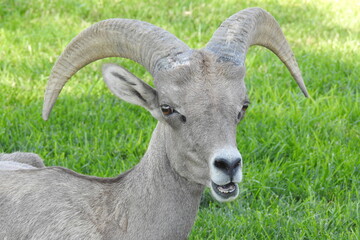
(226, 188)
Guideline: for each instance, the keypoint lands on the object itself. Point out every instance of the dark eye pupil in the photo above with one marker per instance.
(167, 110)
(243, 110)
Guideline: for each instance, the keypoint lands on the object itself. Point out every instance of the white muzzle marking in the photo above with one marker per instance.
(225, 173)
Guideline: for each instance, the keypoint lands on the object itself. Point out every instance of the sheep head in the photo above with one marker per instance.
(199, 95)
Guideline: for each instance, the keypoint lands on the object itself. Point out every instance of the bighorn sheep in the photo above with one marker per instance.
(198, 100)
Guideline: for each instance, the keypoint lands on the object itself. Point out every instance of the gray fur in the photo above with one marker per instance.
(198, 100)
(10, 165)
(21, 160)
(56, 203)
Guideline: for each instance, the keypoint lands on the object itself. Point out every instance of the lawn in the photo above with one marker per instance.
(301, 156)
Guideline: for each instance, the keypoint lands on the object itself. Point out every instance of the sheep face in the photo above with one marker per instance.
(199, 104)
(200, 95)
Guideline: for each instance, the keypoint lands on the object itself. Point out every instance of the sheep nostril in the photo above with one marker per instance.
(222, 164)
(228, 167)
(237, 163)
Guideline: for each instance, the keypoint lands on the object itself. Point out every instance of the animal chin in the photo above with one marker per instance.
(224, 193)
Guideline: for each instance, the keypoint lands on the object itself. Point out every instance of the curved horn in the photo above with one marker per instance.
(253, 26)
(151, 46)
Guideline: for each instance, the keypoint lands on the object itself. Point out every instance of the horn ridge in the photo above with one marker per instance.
(139, 41)
(253, 26)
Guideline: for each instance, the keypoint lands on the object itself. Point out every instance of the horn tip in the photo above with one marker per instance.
(304, 90)
(48, 105)
(45, 114)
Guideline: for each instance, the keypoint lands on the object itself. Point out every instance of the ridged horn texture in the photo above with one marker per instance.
(150, 46)
(253, 26)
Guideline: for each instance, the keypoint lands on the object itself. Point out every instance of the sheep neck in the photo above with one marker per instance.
(163, 200)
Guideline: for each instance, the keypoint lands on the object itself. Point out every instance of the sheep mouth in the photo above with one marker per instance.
(225, 191)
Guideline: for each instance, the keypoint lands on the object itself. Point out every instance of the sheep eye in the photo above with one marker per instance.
(166, 109)
(245, 106)
(243, 110)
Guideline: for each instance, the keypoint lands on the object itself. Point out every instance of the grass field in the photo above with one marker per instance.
(301, 156)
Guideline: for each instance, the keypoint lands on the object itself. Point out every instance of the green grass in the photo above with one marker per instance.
(302, 165)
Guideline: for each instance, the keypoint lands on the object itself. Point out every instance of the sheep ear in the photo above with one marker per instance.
(129, 88)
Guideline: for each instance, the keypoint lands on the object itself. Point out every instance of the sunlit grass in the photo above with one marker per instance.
(301, 156)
